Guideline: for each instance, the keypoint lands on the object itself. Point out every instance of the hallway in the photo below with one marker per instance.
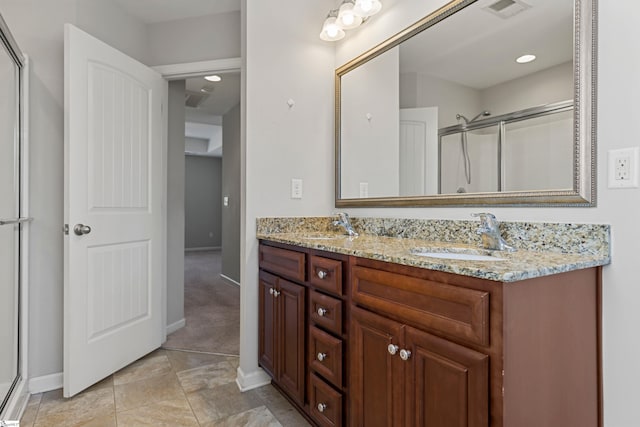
(211, 307)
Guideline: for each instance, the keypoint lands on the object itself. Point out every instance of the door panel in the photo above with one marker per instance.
(376, 375)
(291, 301)
(448, 384)
(114, 183)
(267, 320)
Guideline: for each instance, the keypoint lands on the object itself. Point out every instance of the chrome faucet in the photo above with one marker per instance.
(343, 221)
(490, 233)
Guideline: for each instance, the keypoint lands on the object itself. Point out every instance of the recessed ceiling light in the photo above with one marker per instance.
(525, 58)
(213, 78)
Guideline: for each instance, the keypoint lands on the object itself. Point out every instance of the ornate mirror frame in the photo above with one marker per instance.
(582, 194)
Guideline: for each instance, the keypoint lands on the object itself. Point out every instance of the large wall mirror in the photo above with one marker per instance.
(449, 112)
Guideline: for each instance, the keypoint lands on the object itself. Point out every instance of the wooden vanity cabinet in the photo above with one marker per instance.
(303, 328)
(282, 333)
(436, 349)
(366, 343)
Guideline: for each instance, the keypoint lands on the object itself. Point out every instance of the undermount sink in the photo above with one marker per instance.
(465, 254)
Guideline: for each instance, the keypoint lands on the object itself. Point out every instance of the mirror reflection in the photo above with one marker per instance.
(459, 108)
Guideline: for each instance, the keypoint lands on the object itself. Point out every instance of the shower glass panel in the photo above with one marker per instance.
(533, 156)
(9, 233)
(481, 173)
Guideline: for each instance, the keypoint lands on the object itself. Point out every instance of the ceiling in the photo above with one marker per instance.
(154, 11)
(220, 96)
(478, 49)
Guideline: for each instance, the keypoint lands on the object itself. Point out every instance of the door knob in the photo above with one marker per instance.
(81, 229)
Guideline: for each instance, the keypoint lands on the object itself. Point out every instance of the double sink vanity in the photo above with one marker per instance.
(413, 323)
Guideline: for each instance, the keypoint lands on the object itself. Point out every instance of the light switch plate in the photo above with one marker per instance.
(225, 201)
(364, 190)
(296, 188)
(623, 168)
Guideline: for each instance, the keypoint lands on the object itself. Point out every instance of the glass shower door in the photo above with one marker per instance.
(9, 227)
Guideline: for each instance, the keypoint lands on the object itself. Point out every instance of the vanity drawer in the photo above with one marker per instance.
(325, 355)
(284, 262)
(326, 274)
(325, 403)
(326, 311)
(453, 311)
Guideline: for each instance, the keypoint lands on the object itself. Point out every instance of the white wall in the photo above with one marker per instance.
(194, 39)
(370, 130)
(618, 90)
(284, 59)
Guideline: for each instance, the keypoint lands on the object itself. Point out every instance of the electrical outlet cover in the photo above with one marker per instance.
(623, 168)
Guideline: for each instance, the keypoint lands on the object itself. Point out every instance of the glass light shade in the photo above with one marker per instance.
(347, 18)
(331, 31)
(366, 8)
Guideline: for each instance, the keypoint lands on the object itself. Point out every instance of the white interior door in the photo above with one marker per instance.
(114, 206)
(418, 151)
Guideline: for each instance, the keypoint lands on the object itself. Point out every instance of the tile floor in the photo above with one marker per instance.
(166, 388)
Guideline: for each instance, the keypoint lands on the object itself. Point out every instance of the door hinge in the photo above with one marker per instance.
(65, 229)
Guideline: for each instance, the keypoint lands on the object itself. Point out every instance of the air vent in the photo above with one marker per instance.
(506, 8)
(194, 99)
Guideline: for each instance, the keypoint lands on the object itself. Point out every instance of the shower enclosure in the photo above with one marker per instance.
(519, 151)
(13, 225)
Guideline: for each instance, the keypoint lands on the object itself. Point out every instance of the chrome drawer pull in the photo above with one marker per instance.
(392, 349)
(321, 407)
(276, 294)
(322, 274)
(271, 291)
(321, 356)
(322, 311)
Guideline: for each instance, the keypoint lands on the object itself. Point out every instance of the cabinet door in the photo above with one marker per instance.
(376, 375)
(267, 321)
(291, 329)
(446, 383)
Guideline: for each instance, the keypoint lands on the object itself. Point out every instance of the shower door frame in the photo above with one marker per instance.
(500, 121)
(18, 394)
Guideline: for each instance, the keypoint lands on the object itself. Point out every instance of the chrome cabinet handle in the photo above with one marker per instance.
(81, 229)
(321, 407)
(271, 291)
(321, 356)
(405, 354)
(8, 221)
(276, 293)
(392, 349)
(322, 311)
(322, 274)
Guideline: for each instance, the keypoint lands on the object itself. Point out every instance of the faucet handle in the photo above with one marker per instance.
(487, 219)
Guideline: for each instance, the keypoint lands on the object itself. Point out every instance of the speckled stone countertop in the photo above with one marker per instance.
(543, 248)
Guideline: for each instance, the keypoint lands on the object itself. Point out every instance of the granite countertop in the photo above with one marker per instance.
(514, 266)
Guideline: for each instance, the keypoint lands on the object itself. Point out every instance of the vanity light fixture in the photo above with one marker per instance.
(525, 58)
(347, 17)
(213, 78)
(351, 14)
(331, 31)
(366, 8)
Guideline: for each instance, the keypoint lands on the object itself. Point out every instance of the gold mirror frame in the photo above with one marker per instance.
(584, 139)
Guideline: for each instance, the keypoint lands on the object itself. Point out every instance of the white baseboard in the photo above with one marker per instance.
(176, 325)
(45, 383)
(229, 280)
(206, 248)
(252, 380)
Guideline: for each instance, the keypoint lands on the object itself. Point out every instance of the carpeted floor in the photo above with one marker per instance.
(211, 308)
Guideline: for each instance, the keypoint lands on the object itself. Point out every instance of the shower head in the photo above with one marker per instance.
(482, 114)
(467, 121)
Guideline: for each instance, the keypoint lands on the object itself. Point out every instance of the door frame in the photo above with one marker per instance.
(178, 72)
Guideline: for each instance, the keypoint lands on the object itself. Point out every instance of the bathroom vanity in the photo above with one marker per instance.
(363, 332)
